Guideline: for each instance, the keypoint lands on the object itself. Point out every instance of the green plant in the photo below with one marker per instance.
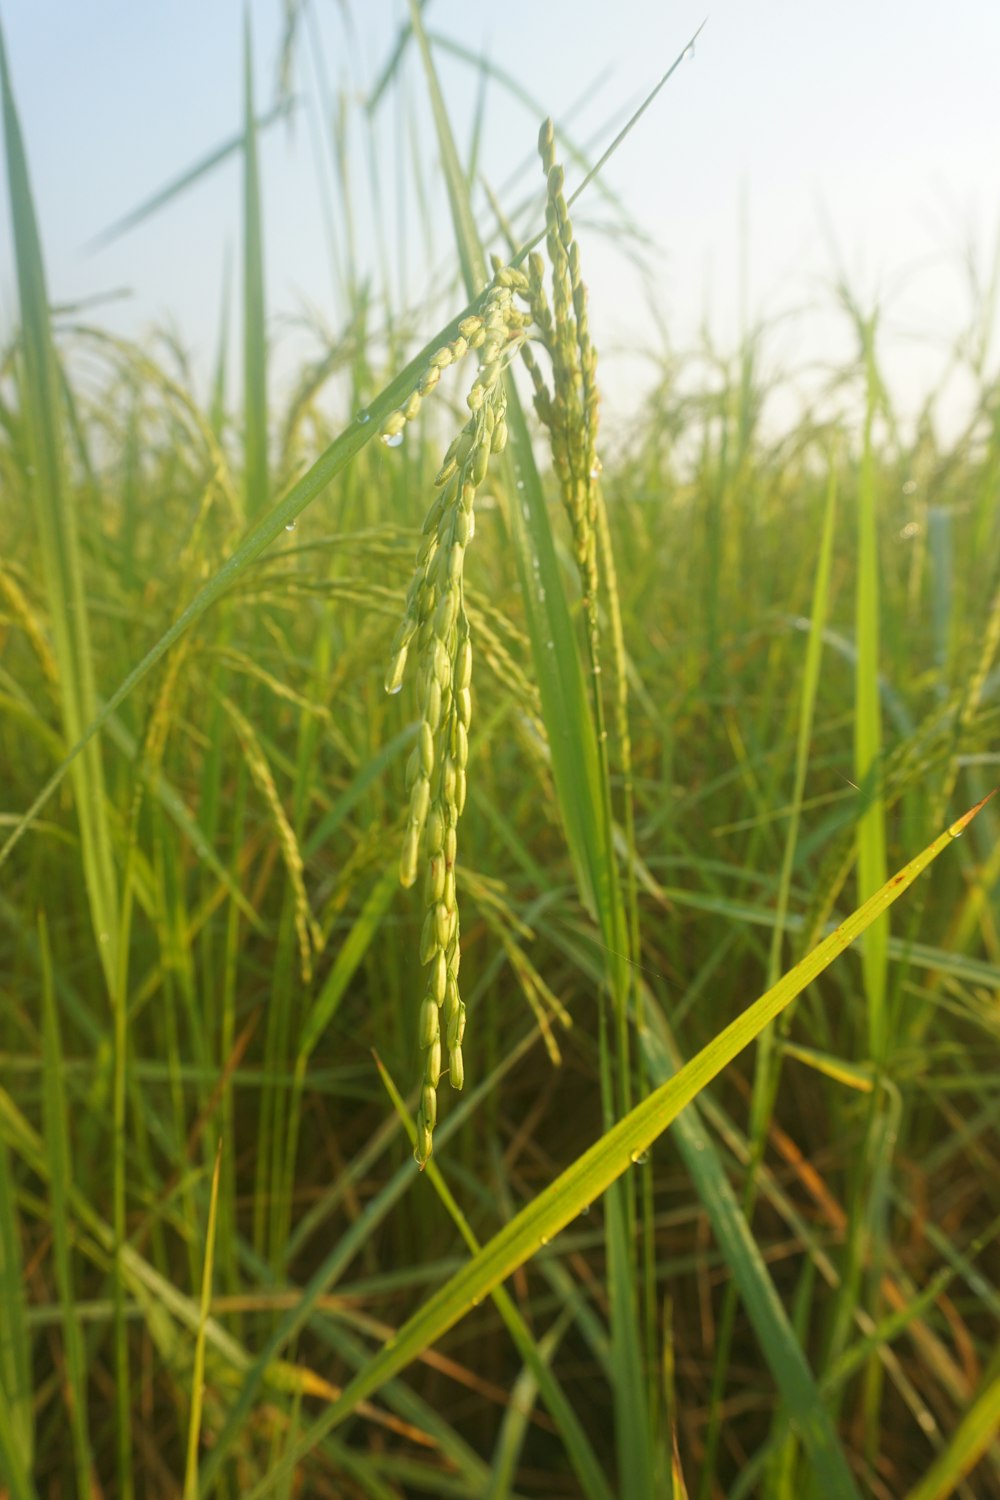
(203, 938)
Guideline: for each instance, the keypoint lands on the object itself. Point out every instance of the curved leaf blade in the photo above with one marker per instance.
(600, 1166)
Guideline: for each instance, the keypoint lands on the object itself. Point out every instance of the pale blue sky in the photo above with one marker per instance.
(882, 118)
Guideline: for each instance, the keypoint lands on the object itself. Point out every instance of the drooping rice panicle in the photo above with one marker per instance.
(435, 619)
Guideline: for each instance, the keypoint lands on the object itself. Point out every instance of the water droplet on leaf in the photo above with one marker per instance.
(364, 415)
(290, 525)
(392, 439)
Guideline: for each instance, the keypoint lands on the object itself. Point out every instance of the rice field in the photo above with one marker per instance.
(499, 946)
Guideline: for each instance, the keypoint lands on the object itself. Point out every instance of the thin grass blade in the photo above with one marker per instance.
(56, 1134)
(17, 1423)
(868, 724)
(254, 331)
(204, 1308)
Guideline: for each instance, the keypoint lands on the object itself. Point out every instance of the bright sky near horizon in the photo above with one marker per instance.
(874, 124)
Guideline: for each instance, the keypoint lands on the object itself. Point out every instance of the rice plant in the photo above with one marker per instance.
(711, 1209)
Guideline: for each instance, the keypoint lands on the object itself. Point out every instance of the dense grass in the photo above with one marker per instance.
(220, 1270)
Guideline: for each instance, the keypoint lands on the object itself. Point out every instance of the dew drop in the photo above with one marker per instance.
(520, 484)
(596, 468)
(290, 526)
(392, 439)
(364, 415)
(545, 1239)
(689, 52)
(585, 1210)
(640, 1158)
(476, 1301)
(392, 691)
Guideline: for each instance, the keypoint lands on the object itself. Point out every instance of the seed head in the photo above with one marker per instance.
(436, 626)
